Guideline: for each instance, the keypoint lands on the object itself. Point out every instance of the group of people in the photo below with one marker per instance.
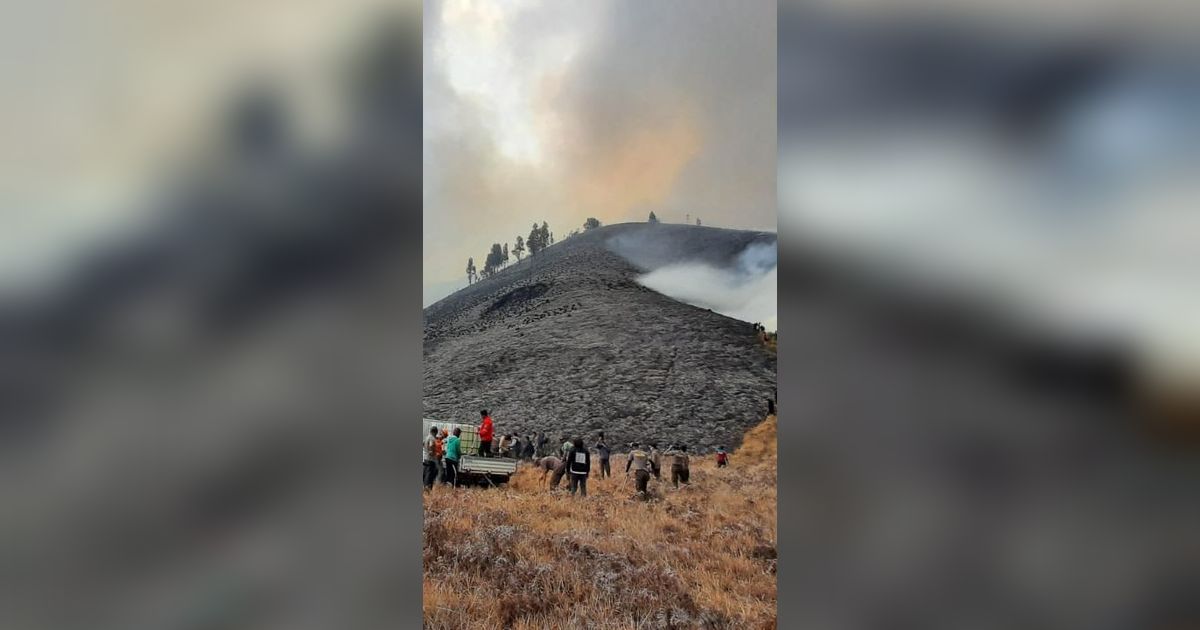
(575, 459)
(646, 462)
(441, 452)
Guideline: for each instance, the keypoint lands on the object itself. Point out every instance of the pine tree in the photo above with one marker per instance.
(470, 270)
(495, 258)
(591, 224)
(519, 248)
(534, 242)
(653, 218)
(506, 254)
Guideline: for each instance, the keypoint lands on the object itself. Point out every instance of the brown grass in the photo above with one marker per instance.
(524, 557)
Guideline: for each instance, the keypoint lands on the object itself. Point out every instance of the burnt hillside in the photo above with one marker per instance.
(570, 342)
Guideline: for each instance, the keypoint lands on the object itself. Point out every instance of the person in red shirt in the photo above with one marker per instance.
(485, 434)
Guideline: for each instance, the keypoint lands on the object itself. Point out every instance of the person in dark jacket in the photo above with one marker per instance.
(603, 451)
(680, 469)
(579, 464)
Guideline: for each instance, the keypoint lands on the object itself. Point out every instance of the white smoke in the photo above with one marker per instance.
(745, 290)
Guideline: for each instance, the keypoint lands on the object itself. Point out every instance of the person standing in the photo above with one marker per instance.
(639, 461)
(580, 459)
(429, 459)
(680, 470)
(566, 447)
(603, 451)
(440, 452)
(485, 434)
(450, 459)
(529, 448)
(722, 457)
(656, 461)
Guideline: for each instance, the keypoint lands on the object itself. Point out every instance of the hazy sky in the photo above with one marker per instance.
(97, 97)
(558, 111)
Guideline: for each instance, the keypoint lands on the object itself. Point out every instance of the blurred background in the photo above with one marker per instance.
(990, 350)
(209, 223)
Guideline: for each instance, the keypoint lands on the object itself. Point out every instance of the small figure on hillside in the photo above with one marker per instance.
(603, 451)
(580, 467)
(722, 457)
(656, 461)
(529, 448)
(680, 471)
(429, 459)
(639, 461)
(485, 434)
(450, 459)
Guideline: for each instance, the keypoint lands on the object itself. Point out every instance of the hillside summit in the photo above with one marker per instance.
(570, 342)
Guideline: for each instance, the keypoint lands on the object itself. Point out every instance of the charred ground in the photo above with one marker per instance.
(569, 341)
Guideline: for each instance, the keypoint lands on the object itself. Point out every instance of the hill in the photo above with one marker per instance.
(569, 341)
(703, 556)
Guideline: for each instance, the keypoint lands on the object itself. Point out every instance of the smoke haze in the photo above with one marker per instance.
(745, 290)
(557, 112)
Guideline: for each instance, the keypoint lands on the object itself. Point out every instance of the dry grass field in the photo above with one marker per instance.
(526, 557)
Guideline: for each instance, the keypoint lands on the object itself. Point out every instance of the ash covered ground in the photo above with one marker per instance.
(570, 342)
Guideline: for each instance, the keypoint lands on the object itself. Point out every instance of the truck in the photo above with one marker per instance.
(473, 469)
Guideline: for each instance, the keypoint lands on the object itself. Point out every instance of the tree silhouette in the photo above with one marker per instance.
(470, 270)
(545, 235)
(653, 218)
(506, 254)
(697, 220)
(495, 258)
(534, 242)
(519, 248)
(591, 224)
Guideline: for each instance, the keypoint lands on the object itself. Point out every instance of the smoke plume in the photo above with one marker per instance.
(745, 289)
